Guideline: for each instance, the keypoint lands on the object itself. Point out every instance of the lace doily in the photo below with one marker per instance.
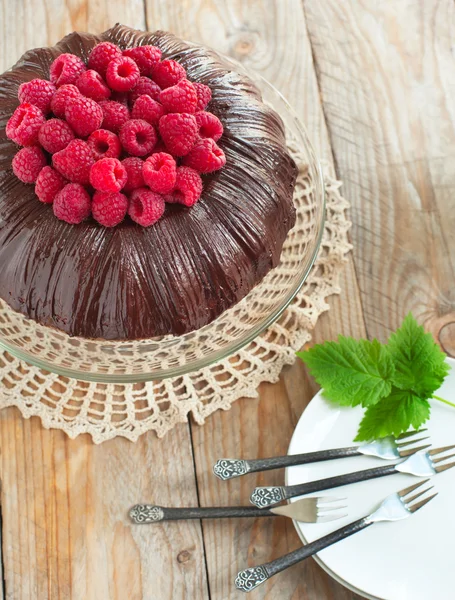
(109, 410)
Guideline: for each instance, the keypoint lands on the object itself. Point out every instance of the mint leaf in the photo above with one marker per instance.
(351, 372)
(419, 362)
(393, 415)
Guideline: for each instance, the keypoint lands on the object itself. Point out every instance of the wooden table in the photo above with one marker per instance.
(374, 83)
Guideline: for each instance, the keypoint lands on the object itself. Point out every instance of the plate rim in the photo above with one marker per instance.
(304, 541)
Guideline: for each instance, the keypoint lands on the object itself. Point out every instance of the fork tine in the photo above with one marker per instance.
(412, 498)
(411, 488)
(410, 442)
(441, 458)
(411, 451)
(419, 505)
(439, 450)
(326, 519)
(322, 509)
(327, 500)
(444, 467)
(410, 434)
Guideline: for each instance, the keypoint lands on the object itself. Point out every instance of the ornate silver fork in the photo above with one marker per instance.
(309, 510)
(420, 464)
(388, 448)
(394, 508)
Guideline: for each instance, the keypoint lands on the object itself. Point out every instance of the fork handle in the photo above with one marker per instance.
(249, 579)
(228, 468)
(149, 513)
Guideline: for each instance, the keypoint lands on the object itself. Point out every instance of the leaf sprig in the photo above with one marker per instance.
(392, 381)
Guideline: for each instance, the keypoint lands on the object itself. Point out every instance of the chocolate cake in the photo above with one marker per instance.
(132, 282)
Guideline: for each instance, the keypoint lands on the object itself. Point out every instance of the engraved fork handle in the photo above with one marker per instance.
(149, 513)
(228, 468)
(249, 579)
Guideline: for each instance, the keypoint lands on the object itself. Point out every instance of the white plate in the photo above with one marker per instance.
(413, 559)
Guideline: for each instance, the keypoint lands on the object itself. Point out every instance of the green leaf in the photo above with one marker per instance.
(393, 415)
(419, 362)
(351, 372)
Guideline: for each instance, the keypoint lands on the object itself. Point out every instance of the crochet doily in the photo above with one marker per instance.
(109, 410)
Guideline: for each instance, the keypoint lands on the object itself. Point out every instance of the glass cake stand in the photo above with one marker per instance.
(172, 356)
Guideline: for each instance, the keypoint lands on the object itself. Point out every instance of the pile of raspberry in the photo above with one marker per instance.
(120, 136)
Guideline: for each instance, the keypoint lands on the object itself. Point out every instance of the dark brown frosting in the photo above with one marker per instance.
(132, 282)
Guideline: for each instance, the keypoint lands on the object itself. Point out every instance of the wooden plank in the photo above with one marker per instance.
(388, 100)
(66, 533)
(271, 38)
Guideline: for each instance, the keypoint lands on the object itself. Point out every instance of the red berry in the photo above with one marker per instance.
(109, 208)
(137, 137)
(92, 85)
(24, 124)
(27, 163)
(145, 57)
(101, 56)
(84, 115)
(121, 97)
(178, 131)
(114, 115)
(160, 171)
(188, 187)
(65, 69)
(104, 144)
(179, 98)
(38, 92)
(144, 86)
(75, 161)
(145, 207)
(54, 135)
(108, 175)
(61, 98)
(209, 125)
(122, 74)
(205, 156)
(48, 184)
(147, 109)
(204, 95)
(167, 73)
(72, 204)
(133, 166)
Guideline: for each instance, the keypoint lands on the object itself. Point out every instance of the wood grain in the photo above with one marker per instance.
(271, 38)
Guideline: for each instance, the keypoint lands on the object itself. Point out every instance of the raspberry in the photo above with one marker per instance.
(147, 109)
(204, 95)
(24, 124)
(146, 207)
(109, 209)
(160, 171)
(38, 92)
(72, 204)
(92, 85)
(209, 125)
(27, 164)
(114, 115)
(144, 86)
(168, 73)
(61, 98)
(179, 98)
(84, 115)
(65, 69)
(205, 156)
(48, 184)
(159, 146)
(188, 187)
(101, 56)
(178, 131)
(54, 135)
(145, 57)
(108, 175)
(138, 137)
(121, 97)
(122, 74)
(104, 144)
(133, 166)
(75, 161)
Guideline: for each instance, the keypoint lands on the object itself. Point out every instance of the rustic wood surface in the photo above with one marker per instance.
(374, 83)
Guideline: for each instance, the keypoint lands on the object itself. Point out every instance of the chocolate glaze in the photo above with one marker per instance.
(132, 282)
